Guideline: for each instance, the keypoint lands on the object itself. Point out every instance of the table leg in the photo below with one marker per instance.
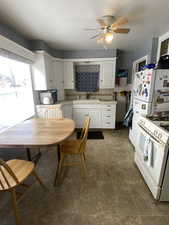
(58, 161)
(28, 154)
(35, 158)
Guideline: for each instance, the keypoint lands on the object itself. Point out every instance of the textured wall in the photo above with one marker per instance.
(125, 58)
(76, 54)
(154, 50)
(102, 53)
(13, 35)
(124, 61)
(41, 45)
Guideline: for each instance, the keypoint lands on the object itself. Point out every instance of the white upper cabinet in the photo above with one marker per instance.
(107, 74)
(58, 78)
(51, 82)
(68, 68)
(43, 74)
(50, 73)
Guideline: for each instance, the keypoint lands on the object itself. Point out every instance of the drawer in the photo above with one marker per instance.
(108, 124)
(108, 106)
(108, 110)
(107, 114)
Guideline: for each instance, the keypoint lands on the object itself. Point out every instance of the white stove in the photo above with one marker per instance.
(152, 153)
(157, 129)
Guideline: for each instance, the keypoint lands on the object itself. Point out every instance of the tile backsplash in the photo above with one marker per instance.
(102, 94)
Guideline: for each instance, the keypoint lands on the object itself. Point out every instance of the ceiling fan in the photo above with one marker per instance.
(108, 26)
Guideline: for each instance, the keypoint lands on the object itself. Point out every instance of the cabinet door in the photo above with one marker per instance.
(107, 74)
(49, 70)
(68, 68)
(79, 116)
(39, 73)
(58, 78)
(95, 116)
(67, 111)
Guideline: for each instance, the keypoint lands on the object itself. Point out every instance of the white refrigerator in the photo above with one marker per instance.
(150, 95)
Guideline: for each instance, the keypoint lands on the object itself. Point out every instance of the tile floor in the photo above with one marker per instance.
(113, 193)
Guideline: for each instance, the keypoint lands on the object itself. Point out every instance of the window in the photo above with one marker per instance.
(87, 78)
(16, 94)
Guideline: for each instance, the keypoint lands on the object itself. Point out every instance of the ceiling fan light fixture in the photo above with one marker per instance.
(109, 37)
(100, 40)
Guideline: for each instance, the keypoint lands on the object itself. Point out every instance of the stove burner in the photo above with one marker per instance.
(159, 117)
(165, 126)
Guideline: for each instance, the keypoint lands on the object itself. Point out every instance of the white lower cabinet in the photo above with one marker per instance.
(67, 111)
(80, 114)
(48, 111)
(102, 116)
(108, 116)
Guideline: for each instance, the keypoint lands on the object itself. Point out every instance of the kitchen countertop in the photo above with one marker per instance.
(86, 101)
(82, 102)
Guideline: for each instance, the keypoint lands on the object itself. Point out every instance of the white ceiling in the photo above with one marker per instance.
(61, 23)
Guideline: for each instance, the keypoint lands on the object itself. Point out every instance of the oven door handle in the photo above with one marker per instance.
(152, 137)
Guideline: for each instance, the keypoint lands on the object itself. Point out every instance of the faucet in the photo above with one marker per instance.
(87, 95)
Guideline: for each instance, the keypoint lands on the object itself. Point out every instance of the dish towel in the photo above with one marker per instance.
(150, 153)
(145, 152)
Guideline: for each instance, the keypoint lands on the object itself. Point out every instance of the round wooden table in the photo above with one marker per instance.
(37, 133)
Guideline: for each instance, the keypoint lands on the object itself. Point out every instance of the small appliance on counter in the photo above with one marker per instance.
(48, 97)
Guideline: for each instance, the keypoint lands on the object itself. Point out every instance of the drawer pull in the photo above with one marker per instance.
(87, 115)
(108, 122)
(108, 109)
(108, 105)
(108, 116)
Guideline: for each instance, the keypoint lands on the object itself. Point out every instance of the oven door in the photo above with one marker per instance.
(150, 158)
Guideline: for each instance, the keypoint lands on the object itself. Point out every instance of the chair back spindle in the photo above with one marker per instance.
(5, 174)
(85, 134)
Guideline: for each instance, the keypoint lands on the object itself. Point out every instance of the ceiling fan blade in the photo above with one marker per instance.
(95, 36)
(119, 22)
(101, 22)
(122, 30)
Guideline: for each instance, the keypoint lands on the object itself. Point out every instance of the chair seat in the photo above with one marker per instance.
(21, 168)
(71, 147)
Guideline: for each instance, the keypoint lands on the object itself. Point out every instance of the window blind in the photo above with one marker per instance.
(11, 55)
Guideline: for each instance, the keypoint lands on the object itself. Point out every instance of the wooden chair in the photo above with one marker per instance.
(12, 174)
(75, 147)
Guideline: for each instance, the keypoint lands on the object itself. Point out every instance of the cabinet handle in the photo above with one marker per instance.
(87, 115)
(108, 109)
(108, 116)
(108, 105)
(108, 123)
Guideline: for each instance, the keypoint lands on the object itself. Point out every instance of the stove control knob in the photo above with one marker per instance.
(159, 136)
(155, 133)
(142, 123)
